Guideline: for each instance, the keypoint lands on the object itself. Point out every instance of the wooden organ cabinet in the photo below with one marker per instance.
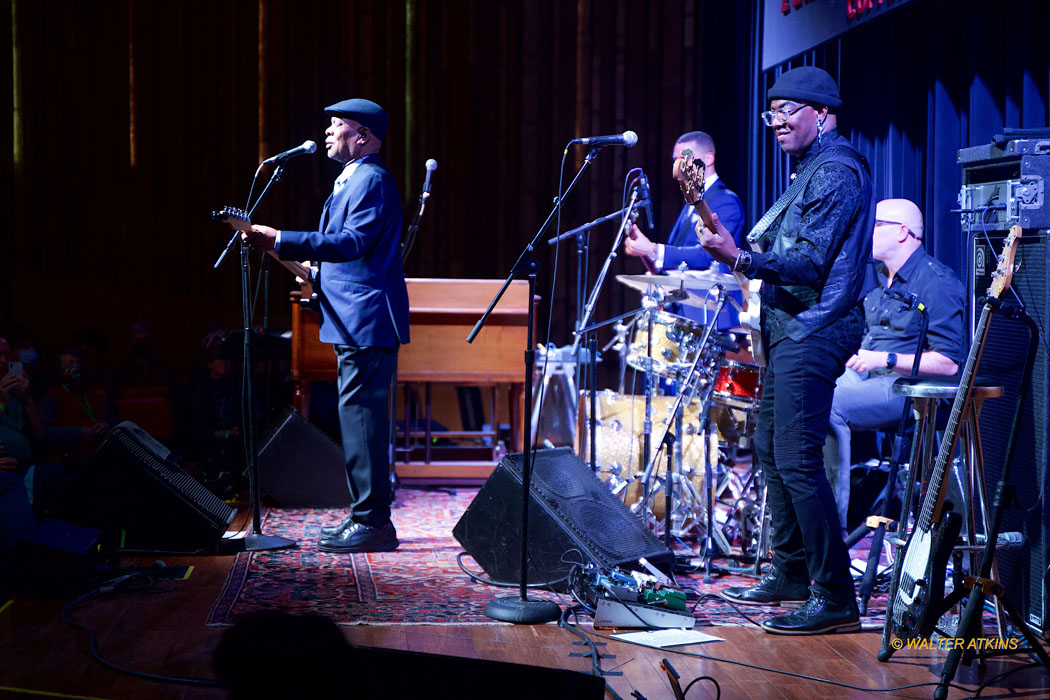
(442, 313)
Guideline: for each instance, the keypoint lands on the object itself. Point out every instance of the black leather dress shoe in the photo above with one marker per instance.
(358, 537)
(775, 588)
(333, 530)
(820, 615)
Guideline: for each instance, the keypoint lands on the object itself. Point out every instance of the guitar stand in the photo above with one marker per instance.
(983, 586)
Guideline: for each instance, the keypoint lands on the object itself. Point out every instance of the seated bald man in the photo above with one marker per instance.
(864, 398)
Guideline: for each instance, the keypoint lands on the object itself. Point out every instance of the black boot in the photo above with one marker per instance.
(772, 589)
(820, 615)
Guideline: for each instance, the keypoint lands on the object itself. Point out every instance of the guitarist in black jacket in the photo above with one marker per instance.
(810, 252)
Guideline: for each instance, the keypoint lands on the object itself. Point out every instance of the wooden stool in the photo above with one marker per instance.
(925, 392)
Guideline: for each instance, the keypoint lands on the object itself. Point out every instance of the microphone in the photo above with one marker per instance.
(909, 301)
(432, 165)
(307, 147)
(627, 138)
(645, 199)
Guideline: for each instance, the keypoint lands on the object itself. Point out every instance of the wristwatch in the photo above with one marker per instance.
(891, 360)
(743, 262)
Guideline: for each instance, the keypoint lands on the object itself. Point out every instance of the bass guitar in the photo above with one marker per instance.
(690, 175)
(917, 603)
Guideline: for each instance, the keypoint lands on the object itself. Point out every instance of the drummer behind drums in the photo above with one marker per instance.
(682, 250)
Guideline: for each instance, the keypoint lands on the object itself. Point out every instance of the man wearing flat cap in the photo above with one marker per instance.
(364, 307)
(810, 251)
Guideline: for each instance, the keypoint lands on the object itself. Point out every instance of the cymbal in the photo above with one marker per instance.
(691, 287)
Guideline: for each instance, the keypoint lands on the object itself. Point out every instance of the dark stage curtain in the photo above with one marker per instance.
(134, 119)
(917, 85)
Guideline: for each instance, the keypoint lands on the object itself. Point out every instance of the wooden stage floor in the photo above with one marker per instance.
(162, 631)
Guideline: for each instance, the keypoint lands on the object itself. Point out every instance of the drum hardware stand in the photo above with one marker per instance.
(592, 427)
(522, 609)
(983, 585)
(686, 397)
(901, 446)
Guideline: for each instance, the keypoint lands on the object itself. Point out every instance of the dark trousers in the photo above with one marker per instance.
(789, 439)
(364, 389)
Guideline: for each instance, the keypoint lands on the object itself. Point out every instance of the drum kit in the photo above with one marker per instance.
(699, 404)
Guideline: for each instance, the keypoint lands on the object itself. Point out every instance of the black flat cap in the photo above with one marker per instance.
(806, 84)
(365, 112)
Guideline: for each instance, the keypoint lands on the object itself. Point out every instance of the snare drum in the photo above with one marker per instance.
(739, 385)
(675, 344)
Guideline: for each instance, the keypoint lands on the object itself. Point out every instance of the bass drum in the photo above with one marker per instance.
(619, 440)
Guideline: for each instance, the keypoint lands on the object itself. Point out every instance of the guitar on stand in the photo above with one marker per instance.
(917, 601)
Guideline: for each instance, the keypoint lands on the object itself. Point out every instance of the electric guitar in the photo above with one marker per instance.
(914, 609)
(690, 175)
(238, 220)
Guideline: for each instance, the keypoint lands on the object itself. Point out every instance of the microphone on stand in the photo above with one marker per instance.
(645, 199)
(910, 301)
(627, 138)
(431, 167)
(305, 148)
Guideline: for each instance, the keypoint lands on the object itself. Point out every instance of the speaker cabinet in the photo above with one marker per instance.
(301, 467)
(1023, 571)
(133, 490)
(573, 518)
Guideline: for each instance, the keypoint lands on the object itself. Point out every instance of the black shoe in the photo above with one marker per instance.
(359, 537)
(775, 588)
(820, 615)
(335, 530)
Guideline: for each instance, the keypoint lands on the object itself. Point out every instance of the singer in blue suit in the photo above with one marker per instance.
(683, 250)
(364, 304)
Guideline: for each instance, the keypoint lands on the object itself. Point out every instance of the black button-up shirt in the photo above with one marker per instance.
(892, 329)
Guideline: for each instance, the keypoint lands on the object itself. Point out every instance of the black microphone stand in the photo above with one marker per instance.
(255, 540)
(522, 609)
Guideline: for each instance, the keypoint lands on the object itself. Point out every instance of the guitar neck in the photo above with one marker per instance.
(298, 269)
(934, 501)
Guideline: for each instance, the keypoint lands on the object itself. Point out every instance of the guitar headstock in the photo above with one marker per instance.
(690, 175)
(236, 218)
(1004, 271)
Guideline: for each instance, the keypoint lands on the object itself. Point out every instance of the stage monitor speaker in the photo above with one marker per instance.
(301, 467)
(573, 518)
(133, 490)
(1022, 571)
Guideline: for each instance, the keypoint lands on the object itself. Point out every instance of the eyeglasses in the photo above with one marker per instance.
(880, 222)
(781, 113)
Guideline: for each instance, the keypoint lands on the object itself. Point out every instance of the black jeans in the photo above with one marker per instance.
(789, 439)
(364, 389)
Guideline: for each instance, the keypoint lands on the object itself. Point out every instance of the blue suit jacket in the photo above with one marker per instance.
(364, 301)
(682, 243)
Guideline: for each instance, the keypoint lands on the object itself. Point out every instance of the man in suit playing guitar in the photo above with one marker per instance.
(364, 305)
(810, 251)
(682, 248)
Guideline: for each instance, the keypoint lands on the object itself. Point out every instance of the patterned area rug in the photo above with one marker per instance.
(420, 583)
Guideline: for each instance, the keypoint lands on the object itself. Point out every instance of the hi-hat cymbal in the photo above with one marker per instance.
(692, 287)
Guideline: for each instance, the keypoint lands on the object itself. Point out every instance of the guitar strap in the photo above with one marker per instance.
(757, 235)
